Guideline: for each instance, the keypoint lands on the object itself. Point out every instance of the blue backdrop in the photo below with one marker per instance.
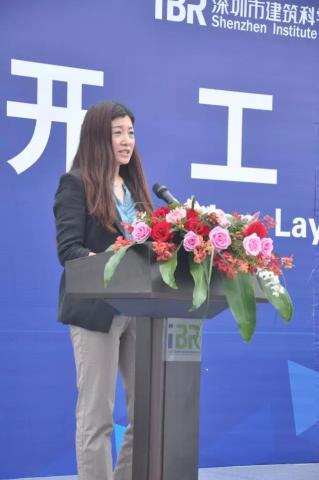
(259, 401)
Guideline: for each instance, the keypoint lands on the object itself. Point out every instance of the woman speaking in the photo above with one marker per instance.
(105, 187)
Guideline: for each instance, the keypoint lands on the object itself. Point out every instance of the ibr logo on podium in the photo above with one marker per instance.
(183, 339)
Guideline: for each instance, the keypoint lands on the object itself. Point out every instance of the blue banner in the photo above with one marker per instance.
(225, 94)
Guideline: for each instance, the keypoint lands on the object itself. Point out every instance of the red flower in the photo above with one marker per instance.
(191, 214)
(236, 215)
(127, 227)
(226, 264)
(269, 221)
(120, 242)
(160, 214)
(287, 262)
(161, 231)
(201, 251)
(163, 250)
(195, 225)
(256, 227)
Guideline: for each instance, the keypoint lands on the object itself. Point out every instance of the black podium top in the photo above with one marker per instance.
(137, 288)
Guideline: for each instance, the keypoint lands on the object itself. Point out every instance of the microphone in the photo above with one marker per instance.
(163, 193)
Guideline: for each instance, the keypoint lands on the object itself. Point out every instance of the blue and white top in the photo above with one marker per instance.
(127, 208)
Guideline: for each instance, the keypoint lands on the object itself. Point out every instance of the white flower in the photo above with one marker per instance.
(246, 218)
(209, 209)
(229, 217)
(272, 281)
(139, 217)
(176, 215)
(226, 219)
(189, 202)
(222, 218)
(250, 218)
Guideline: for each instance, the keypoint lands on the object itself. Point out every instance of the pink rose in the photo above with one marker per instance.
(219, 238)
(252, 244)
(221, 218)
(266, 246)
(141, 232)
(176, 215)
(191, 241)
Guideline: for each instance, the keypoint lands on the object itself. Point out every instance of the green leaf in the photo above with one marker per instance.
(241, 300)
(282, 302)
(113, 262)
(209, 271)
(200, 284)
(167, 270)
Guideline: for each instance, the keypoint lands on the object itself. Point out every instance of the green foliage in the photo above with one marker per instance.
(113, 263)
(167, 270)
(200, 284)
(241, 300)
(282, 301)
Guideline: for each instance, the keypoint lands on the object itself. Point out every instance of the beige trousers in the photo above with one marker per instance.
(98, 357)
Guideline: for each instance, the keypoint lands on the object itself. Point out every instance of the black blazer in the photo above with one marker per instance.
(78, 233)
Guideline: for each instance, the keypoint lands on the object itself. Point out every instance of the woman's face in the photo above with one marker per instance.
(123, 140)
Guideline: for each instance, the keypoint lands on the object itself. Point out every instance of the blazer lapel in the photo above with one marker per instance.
(118, 223)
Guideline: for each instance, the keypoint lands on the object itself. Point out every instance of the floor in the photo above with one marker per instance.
(309, 471)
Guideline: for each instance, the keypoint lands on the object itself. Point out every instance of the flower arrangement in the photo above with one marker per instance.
(238, 246)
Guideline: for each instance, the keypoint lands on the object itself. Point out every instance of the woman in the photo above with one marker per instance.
(103, 188)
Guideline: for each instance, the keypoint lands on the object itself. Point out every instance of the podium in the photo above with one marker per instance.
(168, 354)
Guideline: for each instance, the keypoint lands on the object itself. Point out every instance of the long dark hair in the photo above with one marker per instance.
(95, 160)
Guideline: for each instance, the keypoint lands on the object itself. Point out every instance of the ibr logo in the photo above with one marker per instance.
(177, 11)
(183, 339)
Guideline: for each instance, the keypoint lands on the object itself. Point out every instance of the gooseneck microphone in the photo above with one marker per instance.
(163, 193)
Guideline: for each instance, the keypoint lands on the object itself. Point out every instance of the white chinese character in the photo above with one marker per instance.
(289, 13)
(256, 9)
(317, 15)
(236, 102)
(307, 15)
(273, 11)
(221, 7)
(239, 8)
(45, 113)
